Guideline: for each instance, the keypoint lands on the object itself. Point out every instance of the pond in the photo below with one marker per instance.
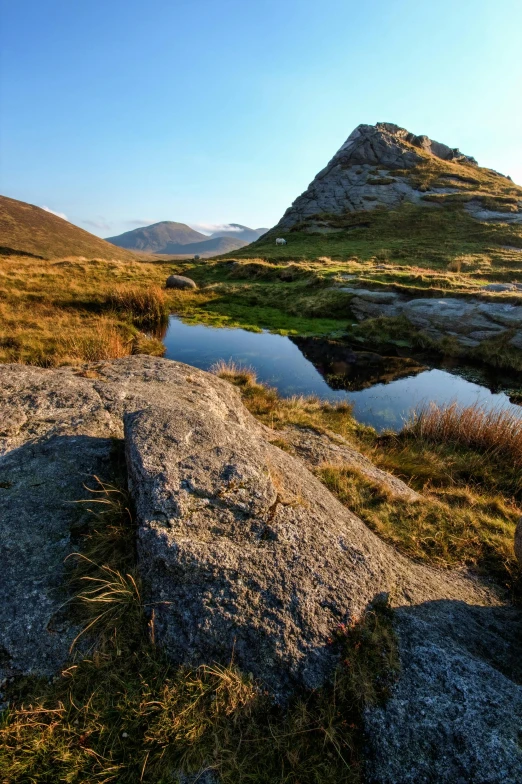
(384, 391)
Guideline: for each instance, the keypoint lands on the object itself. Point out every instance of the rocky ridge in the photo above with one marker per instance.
(372, 169)
(242, 549)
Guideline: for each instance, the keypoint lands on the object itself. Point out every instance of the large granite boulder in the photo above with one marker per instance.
(244, 553)
(455, 715)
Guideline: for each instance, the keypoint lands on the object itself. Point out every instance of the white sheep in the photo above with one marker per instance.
(280, 241)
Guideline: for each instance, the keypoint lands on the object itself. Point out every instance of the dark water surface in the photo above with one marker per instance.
(384, 391)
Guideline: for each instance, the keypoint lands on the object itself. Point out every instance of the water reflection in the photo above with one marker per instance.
(383, 390)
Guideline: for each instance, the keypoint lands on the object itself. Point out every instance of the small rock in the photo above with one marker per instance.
(180, 282)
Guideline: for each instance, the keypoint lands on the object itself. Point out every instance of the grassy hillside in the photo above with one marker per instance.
(30, 231)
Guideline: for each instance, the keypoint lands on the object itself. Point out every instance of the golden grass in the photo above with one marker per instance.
(496, 433)
(70, 310)
(146, 306)
(277, 412)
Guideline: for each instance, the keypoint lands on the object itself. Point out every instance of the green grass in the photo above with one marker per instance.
(430, 237)
(124, 714)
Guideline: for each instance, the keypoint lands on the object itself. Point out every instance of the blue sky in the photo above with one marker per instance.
(119, 113)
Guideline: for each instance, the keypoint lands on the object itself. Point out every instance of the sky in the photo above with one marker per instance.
(122, 113)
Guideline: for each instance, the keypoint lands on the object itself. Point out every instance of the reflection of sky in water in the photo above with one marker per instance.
(280, 363)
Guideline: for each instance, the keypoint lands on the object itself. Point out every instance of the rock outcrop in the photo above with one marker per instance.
(372, 169)
(469, 321)
(244, 552)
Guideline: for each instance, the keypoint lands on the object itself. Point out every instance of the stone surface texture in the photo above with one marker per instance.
(456, 713)
(244, 553)
(371, 170)
(469, 321)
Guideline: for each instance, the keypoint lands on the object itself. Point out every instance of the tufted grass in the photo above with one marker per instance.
(120, 712)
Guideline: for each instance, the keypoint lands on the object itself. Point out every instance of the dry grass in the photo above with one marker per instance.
(496, 433)
(70, 310)
(449, 526)
(277, 412)
(147, 306)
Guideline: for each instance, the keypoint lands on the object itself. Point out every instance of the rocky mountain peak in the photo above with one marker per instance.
(377, 167)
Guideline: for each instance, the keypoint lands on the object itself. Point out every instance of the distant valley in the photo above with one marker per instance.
(178, 239)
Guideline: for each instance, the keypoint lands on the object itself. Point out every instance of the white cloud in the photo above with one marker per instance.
(58, 214)
(210, 228)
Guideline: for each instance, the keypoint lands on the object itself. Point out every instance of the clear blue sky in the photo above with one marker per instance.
(119, 113)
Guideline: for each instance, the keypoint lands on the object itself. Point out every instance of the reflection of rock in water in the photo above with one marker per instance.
(344, 368)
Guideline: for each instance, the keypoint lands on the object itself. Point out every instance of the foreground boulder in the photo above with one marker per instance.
(244, 554)
(180, 282)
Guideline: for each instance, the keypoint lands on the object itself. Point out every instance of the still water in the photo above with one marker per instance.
(384, 392)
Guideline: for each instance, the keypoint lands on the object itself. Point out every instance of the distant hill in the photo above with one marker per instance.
(155, 238)
(176, 239)
(29, 230)
(240, 232)
(209, 247)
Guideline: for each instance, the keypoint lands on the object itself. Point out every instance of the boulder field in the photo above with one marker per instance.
(242, 549)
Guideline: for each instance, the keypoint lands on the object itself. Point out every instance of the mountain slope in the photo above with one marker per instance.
(155, 238)
(207, 248)
(240, 232)
(386, 166)
(397, 197)
(29, 230)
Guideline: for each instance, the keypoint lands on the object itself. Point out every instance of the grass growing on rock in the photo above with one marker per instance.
(122, 713)
(466, 463)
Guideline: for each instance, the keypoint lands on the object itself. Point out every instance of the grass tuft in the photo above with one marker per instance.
(497, 433)
(146, 306)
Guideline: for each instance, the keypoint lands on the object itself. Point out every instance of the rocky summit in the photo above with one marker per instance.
(378, 166)
(244, 553)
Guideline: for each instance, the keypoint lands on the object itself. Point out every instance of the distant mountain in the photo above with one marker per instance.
(29, 230)
(177, 239)
(209, 247)
(155, 238)
(240, 232)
